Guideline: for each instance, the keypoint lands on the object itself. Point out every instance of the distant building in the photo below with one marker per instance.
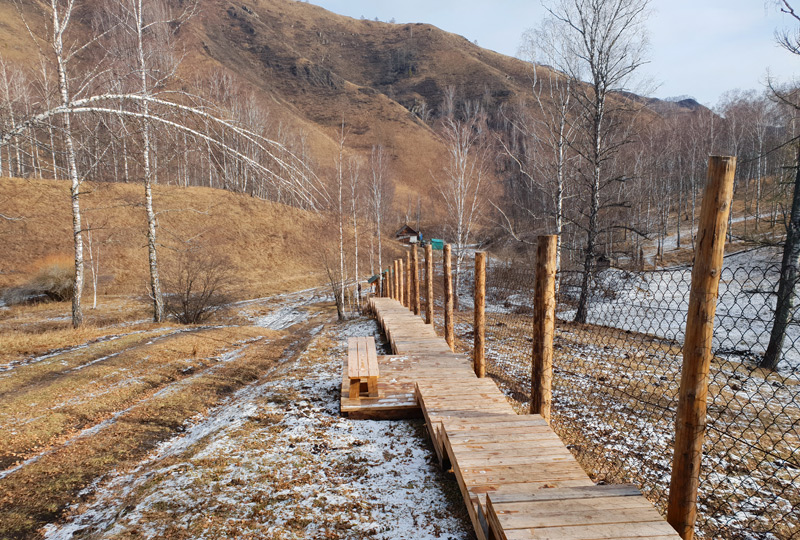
(407, 235)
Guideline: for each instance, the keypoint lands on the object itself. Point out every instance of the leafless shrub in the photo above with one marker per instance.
(53, 281)
(194, 284)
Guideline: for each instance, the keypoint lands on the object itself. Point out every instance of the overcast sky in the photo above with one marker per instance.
(699, 48)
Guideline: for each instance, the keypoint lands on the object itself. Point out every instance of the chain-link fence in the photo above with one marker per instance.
(617, 376)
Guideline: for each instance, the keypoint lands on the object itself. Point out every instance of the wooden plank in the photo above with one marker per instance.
(372, 367)
(470, 460)
(556, 494)
(352, 357)
(352, 368)
(619, 511)
(641, 532)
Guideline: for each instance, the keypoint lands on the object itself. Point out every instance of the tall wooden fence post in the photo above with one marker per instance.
(407, 299)
(479, 329)
(691, 417)
(544, 323)
(428, 284)
(400, 281)
(449, 334)
(390, 279)
(397, 280)
(415, 279)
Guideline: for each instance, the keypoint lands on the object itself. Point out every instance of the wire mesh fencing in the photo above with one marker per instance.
(616, 380)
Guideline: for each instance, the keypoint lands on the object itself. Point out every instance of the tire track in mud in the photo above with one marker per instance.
(52, 376)
(20, 502)
(232, 413)
(280, 319)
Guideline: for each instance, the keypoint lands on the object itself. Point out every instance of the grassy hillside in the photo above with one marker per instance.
(268, 247)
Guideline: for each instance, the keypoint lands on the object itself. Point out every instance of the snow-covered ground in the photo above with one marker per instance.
(656, 303)
(276, 460)
(615, 393)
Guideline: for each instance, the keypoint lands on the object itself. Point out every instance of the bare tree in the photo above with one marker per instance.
(790, 261)
(61, 12)
(462, 181)
(354, 175)
(148, 26)
(600, 42)
(340, 215)
(549, 128)
(379, 193)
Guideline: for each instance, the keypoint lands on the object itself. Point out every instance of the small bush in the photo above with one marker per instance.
(52, 281)
(193, 286)
(56, 280)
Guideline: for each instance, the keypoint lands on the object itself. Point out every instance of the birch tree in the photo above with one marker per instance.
(601, 43)
(461, 183)
(379, 193)
(354, 176)
(61, 12)
(284, 167)
(140, 19)
(549, 127)
(340, 221)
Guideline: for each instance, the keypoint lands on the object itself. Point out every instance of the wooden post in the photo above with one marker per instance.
(401, 298)
(544, 322)
(415, 304)
(390, 280)
(428, 284)
(691, 417)
(407, 300)
(449, 334)
(395, 282)
(479, 328)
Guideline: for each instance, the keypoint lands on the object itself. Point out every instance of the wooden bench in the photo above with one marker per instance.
(362, 367)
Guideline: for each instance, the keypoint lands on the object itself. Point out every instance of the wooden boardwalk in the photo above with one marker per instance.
(517, 478)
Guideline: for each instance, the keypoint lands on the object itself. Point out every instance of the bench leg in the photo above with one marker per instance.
(372, 387)
(355, 388)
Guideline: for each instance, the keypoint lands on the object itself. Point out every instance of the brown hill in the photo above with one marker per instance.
(316, 69)
(268, 247)
(325, 68)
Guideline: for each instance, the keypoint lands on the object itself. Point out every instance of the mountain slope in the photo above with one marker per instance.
(316, 71)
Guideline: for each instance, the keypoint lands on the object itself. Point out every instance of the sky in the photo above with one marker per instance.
(699, 48)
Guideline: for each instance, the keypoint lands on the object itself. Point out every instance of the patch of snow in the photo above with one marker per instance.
(276, 460)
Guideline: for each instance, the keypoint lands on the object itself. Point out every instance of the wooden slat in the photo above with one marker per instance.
(352, 357)
(363, 364)
(556, 494)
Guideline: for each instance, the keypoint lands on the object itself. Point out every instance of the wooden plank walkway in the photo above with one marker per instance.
(517, 478)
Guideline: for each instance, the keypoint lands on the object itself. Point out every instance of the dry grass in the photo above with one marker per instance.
(267, 245)
(142, 393)
(289, 468)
